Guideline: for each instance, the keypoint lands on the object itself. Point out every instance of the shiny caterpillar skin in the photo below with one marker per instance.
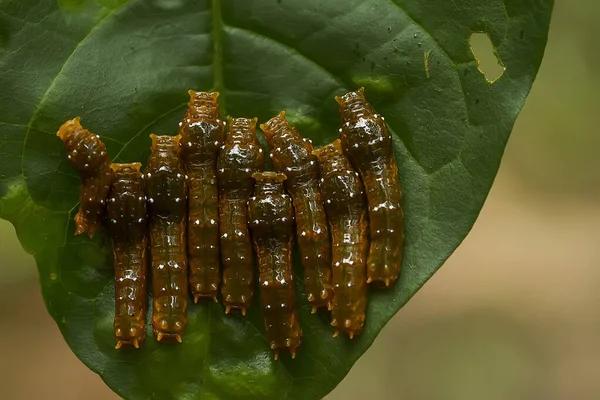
(271, 222)
(88, 154)
(367, 143)
(346, 208)
(165, 188)
(126, 224)
(292, 155)
(239, 158)
(202, 132)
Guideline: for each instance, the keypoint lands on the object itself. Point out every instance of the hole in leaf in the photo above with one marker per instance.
(488, 62)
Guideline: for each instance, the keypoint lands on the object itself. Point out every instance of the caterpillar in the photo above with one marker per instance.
(165, 189)
(367, 143)
(292, 155)
(239, 158)
(88, 154)
(271, 222)
(127, 228)
(202, 132)
(346, 209)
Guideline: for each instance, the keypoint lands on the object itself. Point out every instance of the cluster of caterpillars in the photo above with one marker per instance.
(208, 212)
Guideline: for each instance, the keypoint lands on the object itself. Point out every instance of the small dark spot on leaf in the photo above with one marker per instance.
(364, 59)
(389, 29)
(477, 101)
(372, 65)
(522, 34)
(466, 72)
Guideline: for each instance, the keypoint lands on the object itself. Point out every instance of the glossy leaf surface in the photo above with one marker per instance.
(125, 67)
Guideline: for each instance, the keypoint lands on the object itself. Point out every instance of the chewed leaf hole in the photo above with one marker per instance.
(488, 62)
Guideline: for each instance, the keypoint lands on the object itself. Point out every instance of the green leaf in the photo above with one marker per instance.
(125, 68)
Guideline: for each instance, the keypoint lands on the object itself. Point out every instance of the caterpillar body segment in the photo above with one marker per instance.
(346, 208)
(87, 153)
(271, 221)
(202, 132)
(367, 143)
(165, 188)
(126, 223)
(292, 155)
(239, 157)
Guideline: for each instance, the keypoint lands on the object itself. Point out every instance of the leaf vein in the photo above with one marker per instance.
(335, 78)
(36, 111)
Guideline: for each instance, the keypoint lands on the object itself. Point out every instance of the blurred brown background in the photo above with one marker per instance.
(514, 314)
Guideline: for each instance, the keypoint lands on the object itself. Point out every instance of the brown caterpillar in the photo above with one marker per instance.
(292, 155)
(271, 221)
(367, 143)
(165, 188)
(88, 154)
(239, 158)
(346, 208)
(127, 227)
(202, 132)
